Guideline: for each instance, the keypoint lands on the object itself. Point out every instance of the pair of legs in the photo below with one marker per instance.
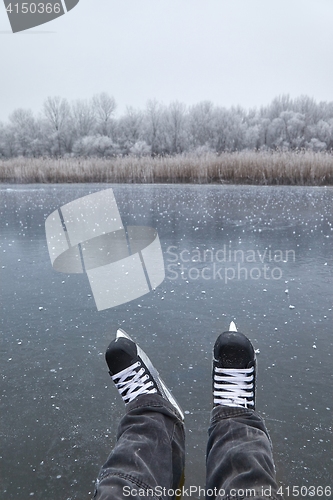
(149, 456)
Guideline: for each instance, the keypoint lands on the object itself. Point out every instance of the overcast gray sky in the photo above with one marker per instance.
(228, 51)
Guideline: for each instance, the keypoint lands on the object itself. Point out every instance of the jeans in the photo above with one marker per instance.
(149, 456)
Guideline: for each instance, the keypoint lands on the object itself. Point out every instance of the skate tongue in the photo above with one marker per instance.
(120, 354)
(232, 327)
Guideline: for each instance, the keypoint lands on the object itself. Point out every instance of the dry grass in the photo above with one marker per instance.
(247, 167)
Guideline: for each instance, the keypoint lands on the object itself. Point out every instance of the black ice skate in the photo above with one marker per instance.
(133, 372)
(234, 370)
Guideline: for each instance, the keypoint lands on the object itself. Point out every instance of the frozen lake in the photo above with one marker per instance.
(260, 256)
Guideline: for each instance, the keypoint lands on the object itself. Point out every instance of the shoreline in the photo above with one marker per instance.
(301, 168)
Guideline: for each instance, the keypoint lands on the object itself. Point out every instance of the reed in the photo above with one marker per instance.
(245, 167)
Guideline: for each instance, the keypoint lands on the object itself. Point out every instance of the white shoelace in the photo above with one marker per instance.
(234, 386)
(131, 382)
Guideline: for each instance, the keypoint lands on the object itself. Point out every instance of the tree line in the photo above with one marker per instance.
(92, 128)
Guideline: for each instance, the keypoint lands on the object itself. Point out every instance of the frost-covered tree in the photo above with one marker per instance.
(278, 105)
(129, 129)
(83, 119)
(201, 124)
(295, 127)
(140, 148)
(93, 145)
(92, 128)
(316, 145)
(23, 128)
(175, 125)
(58, 117)
(324, 132)
(152, 125)
(57, 112)
(7, 142)
(104, 107)
(228, 129)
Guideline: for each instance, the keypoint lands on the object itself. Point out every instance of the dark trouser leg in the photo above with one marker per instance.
(239, 456)
(149, 453)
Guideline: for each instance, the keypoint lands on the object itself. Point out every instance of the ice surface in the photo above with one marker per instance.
(60, 410)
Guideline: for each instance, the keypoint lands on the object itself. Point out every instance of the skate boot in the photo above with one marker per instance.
(133, 373)
(234, 370)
